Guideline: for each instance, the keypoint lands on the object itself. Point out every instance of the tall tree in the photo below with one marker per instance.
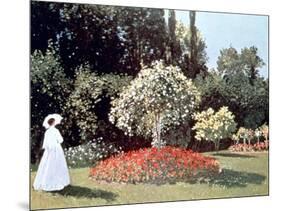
(186, 48)
(83, 33)
(155, 36)
(173, 52)
(183, 35)
(144, 34)
(193, 49)
(90, 36)
(193, 38)
(45, 24)
(251, 62)
(249, 103)
(231, 62)
(228, 62)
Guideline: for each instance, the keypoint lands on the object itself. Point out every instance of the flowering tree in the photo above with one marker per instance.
(246, 134)
(243, 134)
(235, 138)
(157, 99)
(258, 134)
(264, 130)
(250, 135)
(213, 126)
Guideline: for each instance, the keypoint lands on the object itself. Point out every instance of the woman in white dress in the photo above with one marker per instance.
(52, 174)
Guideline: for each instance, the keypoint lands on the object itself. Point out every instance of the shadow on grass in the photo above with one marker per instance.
(84, 192)
(230, 178)
(234, 155)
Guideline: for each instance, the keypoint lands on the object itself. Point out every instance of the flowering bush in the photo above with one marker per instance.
(265, 131)
(261, 146)
(90, 153)
(235, 138)
(242, 133)
(213, 126)
(246, 135)
(249, 135)
(157, 99)
(258, 134)
(153, 165)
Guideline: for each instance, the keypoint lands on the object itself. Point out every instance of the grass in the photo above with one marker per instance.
(242, 175)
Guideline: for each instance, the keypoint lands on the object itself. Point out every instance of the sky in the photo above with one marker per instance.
(221, 30)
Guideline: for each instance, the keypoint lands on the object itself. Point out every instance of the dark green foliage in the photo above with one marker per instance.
(49, 90)
(251, 62)
(196, 48)
(193, 41)
(228, 61)
(231, 62)
(45, 24)
(249, 103)
(239, 86)
(173, 50)
(144, 34)
(189, 48)
(84, 33)
(76, 99)
(89, 90)
(108, 38)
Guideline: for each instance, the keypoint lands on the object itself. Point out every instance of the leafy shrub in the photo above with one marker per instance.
(89, 89)
(153, 165)
(50, 88)
(179, 136)
(213, 126)
(47, 73)
(90, 153)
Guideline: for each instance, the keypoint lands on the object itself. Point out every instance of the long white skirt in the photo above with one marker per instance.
(52, 172)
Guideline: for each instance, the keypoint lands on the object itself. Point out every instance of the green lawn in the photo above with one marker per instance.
(242, 175)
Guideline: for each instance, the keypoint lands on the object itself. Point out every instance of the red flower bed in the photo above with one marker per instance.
(262, 146)
(167, 164)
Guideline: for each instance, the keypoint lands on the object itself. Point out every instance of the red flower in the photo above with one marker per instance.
(149, 164)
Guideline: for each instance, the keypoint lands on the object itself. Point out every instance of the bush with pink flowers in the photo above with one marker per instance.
(257, 147)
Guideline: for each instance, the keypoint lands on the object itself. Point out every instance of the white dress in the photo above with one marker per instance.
(52, 172)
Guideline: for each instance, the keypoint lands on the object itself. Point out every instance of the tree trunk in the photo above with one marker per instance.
(157, 142)
(217, 145)
(188, 134)
(193, 41)
(244, 142)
